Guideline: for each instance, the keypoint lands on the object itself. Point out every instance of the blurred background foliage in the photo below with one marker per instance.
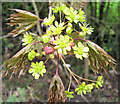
(103, 16)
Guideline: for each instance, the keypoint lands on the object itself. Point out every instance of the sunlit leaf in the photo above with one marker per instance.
(25, 21)
(56, 90)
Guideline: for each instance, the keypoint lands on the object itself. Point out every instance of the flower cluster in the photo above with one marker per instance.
(37, 69)
(63, 44)
(80, 51)
(32, 54)
(57, 29)
(27, 39)
(83, 88)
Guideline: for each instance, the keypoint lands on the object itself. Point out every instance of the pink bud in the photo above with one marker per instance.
(48, 50)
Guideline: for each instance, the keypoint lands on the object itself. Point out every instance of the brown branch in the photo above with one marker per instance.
(37, 13)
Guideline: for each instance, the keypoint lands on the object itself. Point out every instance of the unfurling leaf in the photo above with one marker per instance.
(56, 91)
(98, 58)
(18, 62)
(24, 19)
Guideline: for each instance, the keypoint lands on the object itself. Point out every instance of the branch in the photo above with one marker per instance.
(37, 13)
(80, 39)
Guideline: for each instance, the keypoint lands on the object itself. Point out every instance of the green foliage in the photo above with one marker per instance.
(18, 96)
(69, 94)
(1, 100)
(37, 69)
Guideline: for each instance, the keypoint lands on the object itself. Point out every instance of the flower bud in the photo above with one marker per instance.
(48, 50)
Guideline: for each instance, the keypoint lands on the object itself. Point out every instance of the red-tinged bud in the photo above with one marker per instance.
(56, 55)
(72, 44)
(48, 50)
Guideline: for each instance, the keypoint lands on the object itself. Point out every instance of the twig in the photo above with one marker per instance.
(6, 36)
(80, 39)
(78, 82)
(84, 78)
(70, 82)
(37, 13)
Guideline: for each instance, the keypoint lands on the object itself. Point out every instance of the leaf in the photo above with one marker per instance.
(56, 91)
(21, 51)
(98, 58)
(18, 62)
(24, 19)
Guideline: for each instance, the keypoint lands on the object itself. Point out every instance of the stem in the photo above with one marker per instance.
(70, 71)
(75, 30)
(70, 82)
(42, 42)
(37, 42)
(60, 16)
(57, 65)
(80, 39)
(73, 74)
(46, 60)
(40, 19)
(84, 78)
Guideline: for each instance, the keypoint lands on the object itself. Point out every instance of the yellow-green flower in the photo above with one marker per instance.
(37, 69)
(63, 44)
(80, 51)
